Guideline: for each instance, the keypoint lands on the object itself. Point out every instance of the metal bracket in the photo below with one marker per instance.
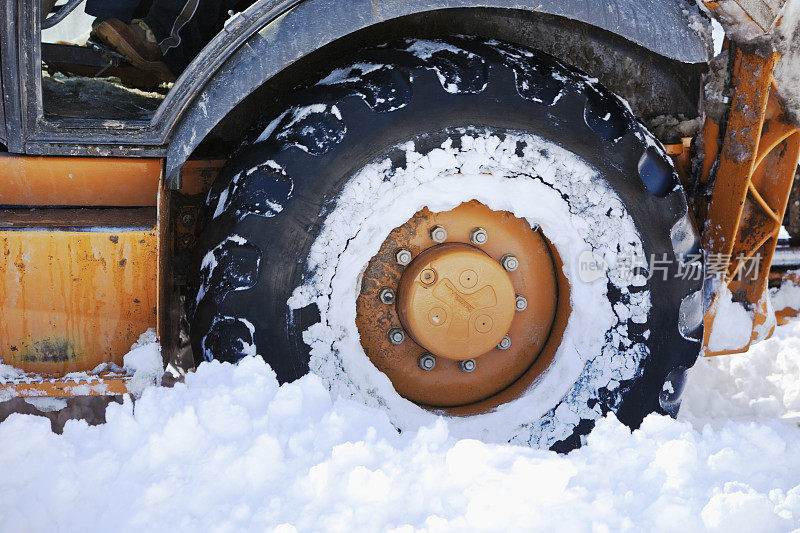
(756, 166)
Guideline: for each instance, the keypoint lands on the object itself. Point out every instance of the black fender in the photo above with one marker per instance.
(273, 34)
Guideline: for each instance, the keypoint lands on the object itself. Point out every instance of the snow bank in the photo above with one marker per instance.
(231, 450)
(763, 383)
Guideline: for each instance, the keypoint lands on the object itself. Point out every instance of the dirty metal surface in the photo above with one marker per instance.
(71, 300)
(77, 219)
(500, 375)
(757, 163)
(78, 181)
(35, 386)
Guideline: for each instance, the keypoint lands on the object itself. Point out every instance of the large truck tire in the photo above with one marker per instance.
(304, 259)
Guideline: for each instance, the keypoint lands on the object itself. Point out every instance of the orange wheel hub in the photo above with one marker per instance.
(456, 301)
(463, 309)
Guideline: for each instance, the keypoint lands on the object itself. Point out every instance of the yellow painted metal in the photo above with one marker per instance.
(35, 386)
(757, 162)
(71, 300)
(456, 301)
(79, 181)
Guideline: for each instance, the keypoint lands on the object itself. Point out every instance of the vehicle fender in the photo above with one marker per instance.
(271, 35)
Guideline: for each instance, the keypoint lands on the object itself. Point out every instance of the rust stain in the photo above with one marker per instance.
(70, 300)
(753, 180)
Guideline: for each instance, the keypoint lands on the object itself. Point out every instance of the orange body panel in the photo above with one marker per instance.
(79, 181)
(71, 300)
(36, 386)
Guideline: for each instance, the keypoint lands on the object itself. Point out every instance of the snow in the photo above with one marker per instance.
(230, 450)
(145, 362)
(733, 324)
(788, 294)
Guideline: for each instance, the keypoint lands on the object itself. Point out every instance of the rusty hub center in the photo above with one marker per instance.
(463, 310)
(455, 301)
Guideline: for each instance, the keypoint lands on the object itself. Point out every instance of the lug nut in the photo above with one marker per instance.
(467, 366)
(478, 236)
(509, 262)
(426, 362)
(438, 234)
(403, 256)
(521, 303)
(386, 295)
(396, 336)
(505, 344)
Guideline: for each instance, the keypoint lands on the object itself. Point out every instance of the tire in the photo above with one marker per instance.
(274, 202)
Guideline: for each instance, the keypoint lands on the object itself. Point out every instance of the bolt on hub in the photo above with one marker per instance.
(396, 336)
(386, 295)
(426, 362)
(505, 343)
(438, 234)
(403, 256)
(478, 236)
(521, 303)
(509, 262)
(467, 366)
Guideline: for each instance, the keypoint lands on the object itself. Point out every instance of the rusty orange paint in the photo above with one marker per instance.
(757, 162)
(198, 175)
(456, 301)
(681, 154)
(71, 300)
(500, 375)
(79, 181)
(36, 386)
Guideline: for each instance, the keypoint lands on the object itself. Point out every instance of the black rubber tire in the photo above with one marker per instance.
(276, 215)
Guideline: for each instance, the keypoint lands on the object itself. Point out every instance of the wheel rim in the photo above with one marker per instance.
(436, 309)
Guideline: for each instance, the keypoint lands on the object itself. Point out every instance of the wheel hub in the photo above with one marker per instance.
(462, 309)
(455, 301)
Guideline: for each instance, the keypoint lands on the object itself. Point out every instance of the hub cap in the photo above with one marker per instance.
(456, 302)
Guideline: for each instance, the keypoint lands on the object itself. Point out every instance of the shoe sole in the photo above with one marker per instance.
(109, 35)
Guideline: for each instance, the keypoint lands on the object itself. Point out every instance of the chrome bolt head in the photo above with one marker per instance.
(521, 303)
(403, 256)
(509, 262)
(386, 295)
(467, 366)
(478, 236)
(438, 234)
(426, 362)
(396, 336)
(505, 344)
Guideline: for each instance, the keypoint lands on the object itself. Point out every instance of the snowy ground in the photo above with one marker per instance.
(230, 450)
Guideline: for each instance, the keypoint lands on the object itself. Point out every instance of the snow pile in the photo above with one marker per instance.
(788, 294)
(733, 323)
(763, 383)
(145, 362)
(231, 450)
